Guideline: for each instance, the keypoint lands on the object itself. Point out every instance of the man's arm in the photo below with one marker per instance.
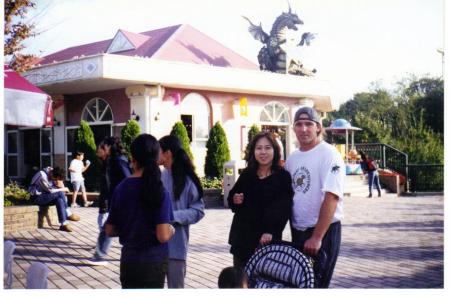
(327, 210)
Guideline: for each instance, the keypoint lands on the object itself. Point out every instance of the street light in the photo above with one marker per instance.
(441, 51)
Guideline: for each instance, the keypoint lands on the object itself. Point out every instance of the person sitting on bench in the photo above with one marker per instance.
(44, 192)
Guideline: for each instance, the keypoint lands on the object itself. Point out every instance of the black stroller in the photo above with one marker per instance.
(280, 265)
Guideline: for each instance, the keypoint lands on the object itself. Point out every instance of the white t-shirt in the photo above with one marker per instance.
(76, 165)
(315, 172)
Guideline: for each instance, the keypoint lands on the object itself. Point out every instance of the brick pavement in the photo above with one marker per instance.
(388, 242)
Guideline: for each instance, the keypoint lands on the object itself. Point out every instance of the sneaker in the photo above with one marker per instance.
(73, 217)
(97, 261)
(74, 205)
(65, 228)
(88, 203)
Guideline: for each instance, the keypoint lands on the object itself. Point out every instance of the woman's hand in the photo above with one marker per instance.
(238, 198)
(265, 238)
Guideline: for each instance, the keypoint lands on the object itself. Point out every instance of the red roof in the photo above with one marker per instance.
(175, 43)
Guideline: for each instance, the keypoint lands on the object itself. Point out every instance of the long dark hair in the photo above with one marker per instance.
(114, 142)
(252, 163)
(182, 166)
(145, 151)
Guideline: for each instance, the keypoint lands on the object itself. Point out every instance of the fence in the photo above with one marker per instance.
(426, 178)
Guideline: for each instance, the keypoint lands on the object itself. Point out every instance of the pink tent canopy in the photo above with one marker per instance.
(25, 104)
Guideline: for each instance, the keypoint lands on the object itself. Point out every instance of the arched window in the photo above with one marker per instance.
(97, 111)
(274, 112)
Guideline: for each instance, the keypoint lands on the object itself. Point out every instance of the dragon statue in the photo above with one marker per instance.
(272, 56)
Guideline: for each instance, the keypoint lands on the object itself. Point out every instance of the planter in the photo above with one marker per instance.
(212, 198)
(392, 183)
(24, 218)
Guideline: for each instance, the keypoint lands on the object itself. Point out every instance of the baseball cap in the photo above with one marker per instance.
(309, 111)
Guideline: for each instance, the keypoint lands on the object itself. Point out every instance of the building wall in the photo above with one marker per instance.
(117, 99)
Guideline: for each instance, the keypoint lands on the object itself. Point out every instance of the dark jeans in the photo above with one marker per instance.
(143, 275)
(323, 264)
(59, 199)
(374, 179)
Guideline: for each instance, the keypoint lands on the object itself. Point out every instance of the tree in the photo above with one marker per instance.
(129, 133)
(409, 119)
(85, 142)
(254, 130)
(179, 130)
(217, 152)
(16, 31)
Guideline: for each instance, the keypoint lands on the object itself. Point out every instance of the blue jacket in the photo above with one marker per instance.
(189, 209)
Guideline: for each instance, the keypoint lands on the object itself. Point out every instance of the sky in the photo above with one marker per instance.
(357, 42)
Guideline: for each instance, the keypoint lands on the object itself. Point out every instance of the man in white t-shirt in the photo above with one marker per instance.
(318, 174)
(76, 170)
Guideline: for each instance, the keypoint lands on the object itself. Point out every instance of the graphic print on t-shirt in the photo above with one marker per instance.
(335, 169)
(302, 180)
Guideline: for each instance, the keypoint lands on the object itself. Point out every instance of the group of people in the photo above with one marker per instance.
(308, 192)
(150, 211)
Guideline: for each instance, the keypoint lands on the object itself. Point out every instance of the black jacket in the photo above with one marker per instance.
(266, 208)
(115, 169)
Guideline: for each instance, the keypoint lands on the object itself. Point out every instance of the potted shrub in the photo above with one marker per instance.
(212, 191)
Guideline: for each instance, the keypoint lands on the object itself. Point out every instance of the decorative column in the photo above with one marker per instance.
(59, 130)
(142, 99)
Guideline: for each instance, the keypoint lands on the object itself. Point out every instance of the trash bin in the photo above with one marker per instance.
(231, 171)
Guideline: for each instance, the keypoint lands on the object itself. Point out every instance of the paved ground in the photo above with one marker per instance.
(388, 242)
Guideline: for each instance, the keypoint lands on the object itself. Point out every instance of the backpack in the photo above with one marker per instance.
(372, 165)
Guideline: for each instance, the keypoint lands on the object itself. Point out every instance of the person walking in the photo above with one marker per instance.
(369, 166)
(76, 169)
(44, 192)
(140, 215)
(318, 173)
(186, 192)
(115, 168)
(261, 200)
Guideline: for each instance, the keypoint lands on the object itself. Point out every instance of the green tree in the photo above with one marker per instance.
(129, 132)
(409, 119)
(16, 31)
(254, 130)
(85, 142)
(217, 152)
(179, 130)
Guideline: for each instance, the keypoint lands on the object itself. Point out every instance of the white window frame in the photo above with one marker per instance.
(97, 118)
(274, 120)
(67, 153)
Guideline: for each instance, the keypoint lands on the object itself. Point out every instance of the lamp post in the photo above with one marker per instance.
(441, 51)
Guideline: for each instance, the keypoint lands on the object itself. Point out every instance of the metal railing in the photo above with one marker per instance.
(388, 157)
(426, 178)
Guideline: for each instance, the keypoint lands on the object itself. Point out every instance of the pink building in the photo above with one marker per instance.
(159, 77)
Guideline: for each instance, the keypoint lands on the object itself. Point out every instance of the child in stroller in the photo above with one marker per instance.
(281, 265)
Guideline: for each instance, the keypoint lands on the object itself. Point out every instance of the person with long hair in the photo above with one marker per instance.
(261, 200)
(186, 192)
(369, 166)
(140, 215)
(115, 167)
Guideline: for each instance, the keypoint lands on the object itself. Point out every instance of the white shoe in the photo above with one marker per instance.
(88, 203)
(74, 205)
(96, 261)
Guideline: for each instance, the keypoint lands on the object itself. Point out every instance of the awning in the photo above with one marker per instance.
(25, 104)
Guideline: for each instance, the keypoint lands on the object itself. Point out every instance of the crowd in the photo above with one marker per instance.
(150, 196)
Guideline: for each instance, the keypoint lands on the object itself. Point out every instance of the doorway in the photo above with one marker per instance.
(31, 152)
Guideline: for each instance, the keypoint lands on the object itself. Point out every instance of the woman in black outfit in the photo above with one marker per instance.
(261, 200)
